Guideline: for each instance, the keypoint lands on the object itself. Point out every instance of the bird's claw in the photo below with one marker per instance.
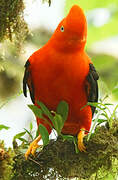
(80, 137)
(31, 150)
(33, 147)
(81, 147)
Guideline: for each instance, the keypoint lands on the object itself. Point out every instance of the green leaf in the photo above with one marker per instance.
(45, 110)
(93, 104)
(44, 134)
(76, 145)
(29, 134)
(3, 127)
(67, 137)
(19, 135)
(58, 123)
(37, 111)
(108, 104)
(72, 139)
(103, 114)
(31, 126)
(90, 104)
(98, 105)
(23, 140)
(101, 120)
(63, 109)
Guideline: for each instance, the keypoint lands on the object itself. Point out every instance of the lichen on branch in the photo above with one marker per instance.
(12, 23)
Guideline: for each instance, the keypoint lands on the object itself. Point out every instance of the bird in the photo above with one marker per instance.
(62, 70)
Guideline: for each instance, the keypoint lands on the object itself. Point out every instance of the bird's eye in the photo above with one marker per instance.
(62, 29)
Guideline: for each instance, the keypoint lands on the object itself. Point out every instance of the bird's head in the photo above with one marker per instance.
(71, 33)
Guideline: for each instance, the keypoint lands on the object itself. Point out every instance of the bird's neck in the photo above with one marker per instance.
(67, 46)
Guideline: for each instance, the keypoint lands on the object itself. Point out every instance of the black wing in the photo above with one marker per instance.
(92, 86)
(27, 81)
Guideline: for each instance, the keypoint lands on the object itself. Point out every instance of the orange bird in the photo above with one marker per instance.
(61, 70)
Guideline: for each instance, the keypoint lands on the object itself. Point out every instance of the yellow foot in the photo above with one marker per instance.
(33, 147)
(80, 137)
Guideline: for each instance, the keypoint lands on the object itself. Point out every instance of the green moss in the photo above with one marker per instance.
(12, 24)
(59, 159)
(6, 162)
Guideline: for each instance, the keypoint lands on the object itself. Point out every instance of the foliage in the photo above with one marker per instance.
(59, 160)
(11, 71)
(3, 127)
(13, 31)
(105, 114)
(12, 20)
(6, 162)
(57, 120)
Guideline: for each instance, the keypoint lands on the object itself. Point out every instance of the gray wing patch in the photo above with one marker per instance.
(92, 90)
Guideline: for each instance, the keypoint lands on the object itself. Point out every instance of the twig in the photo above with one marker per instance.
(34, 161)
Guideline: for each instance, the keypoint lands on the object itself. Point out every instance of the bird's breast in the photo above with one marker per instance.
(61, 77)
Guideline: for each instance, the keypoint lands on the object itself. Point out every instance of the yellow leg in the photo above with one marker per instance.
(80, 137)
(33, 147)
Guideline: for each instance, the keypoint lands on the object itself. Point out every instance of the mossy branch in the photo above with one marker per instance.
(12, 23)
(59, 159)
(12, 20)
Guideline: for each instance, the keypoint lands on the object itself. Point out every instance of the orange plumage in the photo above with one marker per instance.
(61, 70)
